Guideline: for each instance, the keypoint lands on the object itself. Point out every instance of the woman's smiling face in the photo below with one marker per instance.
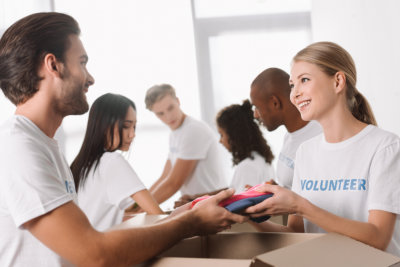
(312, 91)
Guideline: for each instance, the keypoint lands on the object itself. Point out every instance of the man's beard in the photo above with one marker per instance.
(73, 100)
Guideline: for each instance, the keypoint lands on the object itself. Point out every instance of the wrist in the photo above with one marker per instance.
(302, 206)
(188, 223)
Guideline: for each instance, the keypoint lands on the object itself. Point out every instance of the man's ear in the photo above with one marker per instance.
(275, 102)
(340, 81)
(52, 66)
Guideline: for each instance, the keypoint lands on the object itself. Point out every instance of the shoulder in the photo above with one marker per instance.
(257, 160)
(312, 129)
(381, 138)
(311, 142)
(191, 122)
(195, 127)
(111, 158)
(19, 135)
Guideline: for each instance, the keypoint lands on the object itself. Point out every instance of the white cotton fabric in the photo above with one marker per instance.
(286, 159)
(251, 172)
(107, 191)
(352, 177)
(35, 179)
(194, 140)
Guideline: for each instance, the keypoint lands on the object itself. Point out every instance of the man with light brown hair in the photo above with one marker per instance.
(193, 163)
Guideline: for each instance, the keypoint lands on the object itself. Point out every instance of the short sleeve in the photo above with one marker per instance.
(384, 180)
(121, 181)
(195, 143)
(30, 182)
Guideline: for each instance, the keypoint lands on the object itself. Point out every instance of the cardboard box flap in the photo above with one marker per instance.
(177, 262)
(234, 245)
(331, 250)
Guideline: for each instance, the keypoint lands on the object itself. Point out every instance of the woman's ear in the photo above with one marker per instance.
(340, 81)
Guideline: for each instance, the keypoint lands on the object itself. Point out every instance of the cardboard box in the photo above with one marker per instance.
(266, 249)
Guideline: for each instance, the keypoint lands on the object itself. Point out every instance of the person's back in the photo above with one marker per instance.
(107, 191)
(251, 171)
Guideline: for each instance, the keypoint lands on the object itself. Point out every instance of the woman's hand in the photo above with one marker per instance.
(284, 201)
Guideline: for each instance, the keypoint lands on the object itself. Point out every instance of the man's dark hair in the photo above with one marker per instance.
(244, 134)
(23, 47)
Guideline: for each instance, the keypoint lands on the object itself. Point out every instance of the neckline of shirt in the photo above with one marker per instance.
(340, 145)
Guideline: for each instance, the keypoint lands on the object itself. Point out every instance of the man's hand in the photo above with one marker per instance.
(212, 218)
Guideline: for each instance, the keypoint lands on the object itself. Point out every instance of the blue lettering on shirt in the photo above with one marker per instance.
(70, 187)
(333, 185)
(288, 162)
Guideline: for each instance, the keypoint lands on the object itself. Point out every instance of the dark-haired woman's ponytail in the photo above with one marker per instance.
(247, 107)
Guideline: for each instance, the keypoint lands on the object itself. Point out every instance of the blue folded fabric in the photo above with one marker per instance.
(240, 205)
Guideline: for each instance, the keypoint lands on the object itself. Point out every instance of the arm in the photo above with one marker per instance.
(67, 231)
(377, 232)
(146, 202)
(166, 171)
(175, 179)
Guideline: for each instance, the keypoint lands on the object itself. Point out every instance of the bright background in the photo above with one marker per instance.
(210, 51)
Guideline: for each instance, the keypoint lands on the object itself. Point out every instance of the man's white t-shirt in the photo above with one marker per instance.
(35, 179)
(352, 177)
(194, 140)
(286, 159)
(251, 172)
(107, 191)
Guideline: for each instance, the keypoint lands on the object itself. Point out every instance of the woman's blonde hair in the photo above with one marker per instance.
(331, 58)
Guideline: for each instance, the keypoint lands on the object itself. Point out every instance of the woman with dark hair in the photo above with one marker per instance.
(241, 136)
(106, 183)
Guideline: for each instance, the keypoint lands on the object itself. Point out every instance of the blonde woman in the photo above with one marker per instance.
(346, 180)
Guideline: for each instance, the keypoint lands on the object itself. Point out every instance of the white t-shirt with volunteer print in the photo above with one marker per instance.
(194, 140)
(107, 191)
(35, 179)
(286, 159)
(251, 172)
(352, 177)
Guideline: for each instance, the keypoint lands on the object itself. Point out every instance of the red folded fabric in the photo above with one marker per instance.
(249, 193)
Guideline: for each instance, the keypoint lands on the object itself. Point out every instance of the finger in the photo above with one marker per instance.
(222, 195)
(267, 188)
(236, 218)
(259, 207)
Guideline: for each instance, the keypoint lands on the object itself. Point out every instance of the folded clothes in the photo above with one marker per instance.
(239, 202)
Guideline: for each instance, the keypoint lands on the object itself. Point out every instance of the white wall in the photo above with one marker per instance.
(370, 31)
